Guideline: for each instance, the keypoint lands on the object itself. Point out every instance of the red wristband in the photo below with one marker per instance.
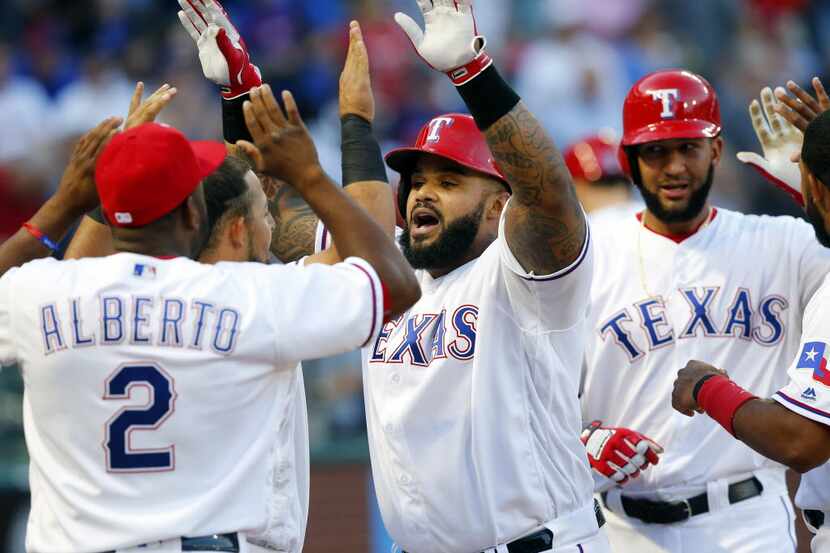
(466, 73)
(721, 398)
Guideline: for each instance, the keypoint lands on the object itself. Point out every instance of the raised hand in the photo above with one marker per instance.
(146, 111)
(77, 186)
(780, 141)
(450, 41)
(356, 96)
(283, 146)
(619, 453)
(222, 51)
(801, 110)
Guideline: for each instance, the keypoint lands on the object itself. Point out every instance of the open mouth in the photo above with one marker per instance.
(424, 221)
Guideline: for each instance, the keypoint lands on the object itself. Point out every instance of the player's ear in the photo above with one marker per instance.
(192, 213)
(819, 192)
(237, 232)
(496, 202)
(717, 150)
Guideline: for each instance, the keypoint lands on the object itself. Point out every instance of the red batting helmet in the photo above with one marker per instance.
(454, 137)
(594, 158)
(665, 105)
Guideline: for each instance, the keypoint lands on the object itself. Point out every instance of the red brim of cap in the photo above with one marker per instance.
(668, 130)
(210, 156)
(403, 160)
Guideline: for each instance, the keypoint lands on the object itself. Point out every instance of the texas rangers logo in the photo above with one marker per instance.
(813, 358)
(435, 127)
(667, 96)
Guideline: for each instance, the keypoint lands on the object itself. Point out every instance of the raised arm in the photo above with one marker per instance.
(226, 62)
(546, 227)
(364, 172)
(75, 196)
(284, 150)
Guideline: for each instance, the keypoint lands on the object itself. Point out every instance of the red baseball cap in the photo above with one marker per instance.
(148, 171)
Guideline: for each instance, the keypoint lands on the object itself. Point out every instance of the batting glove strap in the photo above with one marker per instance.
(463, 75)
(222, 51)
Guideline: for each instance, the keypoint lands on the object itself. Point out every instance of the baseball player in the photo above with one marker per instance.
(471, 396)
(601, 186)
(793, 427)
(683, 280)
(239, 221)
(162, 354)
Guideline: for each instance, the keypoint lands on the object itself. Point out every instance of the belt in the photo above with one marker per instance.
(543, 539)
(217, 542)
(669, 512)
(814, 519)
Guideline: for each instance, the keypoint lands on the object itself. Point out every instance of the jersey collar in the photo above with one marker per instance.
(678, 238)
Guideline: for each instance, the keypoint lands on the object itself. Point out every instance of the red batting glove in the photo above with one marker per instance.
(222, 51)
(619, 453)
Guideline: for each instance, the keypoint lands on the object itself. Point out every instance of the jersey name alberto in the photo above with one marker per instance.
(167, 391)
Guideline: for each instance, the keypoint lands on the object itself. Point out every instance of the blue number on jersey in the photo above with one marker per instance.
(120, 456)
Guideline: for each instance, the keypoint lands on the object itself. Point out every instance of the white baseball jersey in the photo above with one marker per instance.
(472, 408)
(160, 395)
(808, 392)
(732, 294)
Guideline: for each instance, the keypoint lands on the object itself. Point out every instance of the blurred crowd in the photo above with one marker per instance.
(64, 66)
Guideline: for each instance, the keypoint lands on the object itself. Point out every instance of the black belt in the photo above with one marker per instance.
(814, 518)
(543, 539)
(217, 542)
(669, 512)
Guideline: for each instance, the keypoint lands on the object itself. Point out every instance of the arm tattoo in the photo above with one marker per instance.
(296, 225)
(545, 228)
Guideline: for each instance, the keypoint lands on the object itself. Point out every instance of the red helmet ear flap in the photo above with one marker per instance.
(622, 157)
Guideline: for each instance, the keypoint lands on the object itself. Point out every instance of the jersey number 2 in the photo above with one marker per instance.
(162, 399)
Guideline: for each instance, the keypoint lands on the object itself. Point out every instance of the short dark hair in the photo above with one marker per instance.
(226, 194)
(816, 150)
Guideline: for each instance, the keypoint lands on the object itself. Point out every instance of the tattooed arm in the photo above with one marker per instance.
(296, 224)
(545, 225)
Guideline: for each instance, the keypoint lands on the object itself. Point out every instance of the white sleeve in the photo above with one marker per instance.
(8, 355)
(812, 265)
(320, 310)
(559, 300)
(808, 392)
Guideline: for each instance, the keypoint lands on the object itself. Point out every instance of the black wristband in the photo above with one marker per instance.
(699, 385)
(361, 158)
(233, 120)
(488, 97)
(97, 215)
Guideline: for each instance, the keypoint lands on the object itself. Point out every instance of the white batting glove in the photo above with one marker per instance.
(222, 51)
(780, 141)
(450, 41)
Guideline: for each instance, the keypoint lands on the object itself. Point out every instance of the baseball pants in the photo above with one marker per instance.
(763, 524)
